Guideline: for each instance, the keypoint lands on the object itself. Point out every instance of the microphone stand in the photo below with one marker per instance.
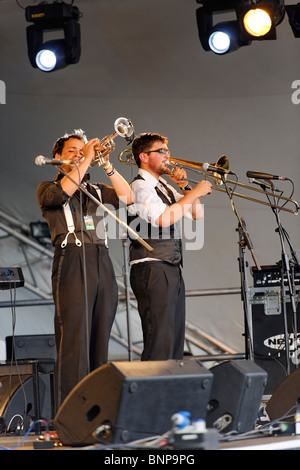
(134, 235)
(286, 272)
(289, 274)
(127, 292)
(244, 241)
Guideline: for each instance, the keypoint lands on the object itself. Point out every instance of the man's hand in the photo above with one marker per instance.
(178, 176)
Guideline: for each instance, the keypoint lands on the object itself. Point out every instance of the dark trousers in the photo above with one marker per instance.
(160, 293)
(83, 320)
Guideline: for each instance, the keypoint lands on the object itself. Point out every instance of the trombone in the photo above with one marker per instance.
(126, 157)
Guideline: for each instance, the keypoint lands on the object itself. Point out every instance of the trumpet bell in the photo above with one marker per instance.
(124, 127)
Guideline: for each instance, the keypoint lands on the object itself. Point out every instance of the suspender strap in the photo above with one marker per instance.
(70, 225)
(70, 222)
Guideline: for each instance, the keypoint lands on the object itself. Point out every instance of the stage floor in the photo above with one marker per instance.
(261, 438)
(292, 442)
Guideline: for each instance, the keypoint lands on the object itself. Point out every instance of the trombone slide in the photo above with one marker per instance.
(224, 164)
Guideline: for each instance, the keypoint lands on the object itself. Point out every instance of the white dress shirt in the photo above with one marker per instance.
(148, 205)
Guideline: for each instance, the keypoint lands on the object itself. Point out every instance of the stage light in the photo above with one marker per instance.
(257, 22)
(259, 19)
(60, 18)
(251, 19)
(51, 56)
(224, 37)
(41, 232)
(46, 60)
(219, 42)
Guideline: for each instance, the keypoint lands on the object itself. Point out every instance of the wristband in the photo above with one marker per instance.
(111, 172)
(107, 166)
(187, 188)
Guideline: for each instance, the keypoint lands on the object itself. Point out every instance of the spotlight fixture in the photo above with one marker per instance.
(259, 19)
(41, 232)
(250, 20)
(221, 37)
(257, 22)
(53, 54)
(224, 37)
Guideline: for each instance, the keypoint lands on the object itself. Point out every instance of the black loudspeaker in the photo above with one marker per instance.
(30, 347)
(269, 336)
(237, 390)
(124, 401)
(17, 405)
(285, 398)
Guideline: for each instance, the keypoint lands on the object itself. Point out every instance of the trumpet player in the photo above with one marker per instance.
(156, 277)
(83, 279)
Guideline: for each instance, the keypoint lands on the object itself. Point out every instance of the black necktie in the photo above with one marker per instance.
(163, 188)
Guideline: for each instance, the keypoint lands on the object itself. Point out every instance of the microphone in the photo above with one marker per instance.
(264, 176)
(260, 183)
(263, 184)
(215, 169)
(41, 160)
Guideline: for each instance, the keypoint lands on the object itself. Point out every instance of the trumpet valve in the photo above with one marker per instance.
(100, 159)
(100, 154)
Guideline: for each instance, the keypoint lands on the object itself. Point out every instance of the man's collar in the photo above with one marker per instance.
(150, 178)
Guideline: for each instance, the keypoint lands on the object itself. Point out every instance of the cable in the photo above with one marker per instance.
(84, 279)
(26, 435)
(266, 428)
(12, 290)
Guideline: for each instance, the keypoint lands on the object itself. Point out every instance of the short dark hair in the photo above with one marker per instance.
(59, 144)
(143, 142)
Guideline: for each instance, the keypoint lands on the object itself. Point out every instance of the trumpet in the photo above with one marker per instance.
(127, 158)
(124, 128)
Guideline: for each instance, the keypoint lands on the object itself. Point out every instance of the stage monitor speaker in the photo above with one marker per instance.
(284, 399)
(17, 401)
(269, 336)
(237, 390)
(30, 347)
(124, 401)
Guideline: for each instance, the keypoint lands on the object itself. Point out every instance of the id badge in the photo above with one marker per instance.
(89, 222)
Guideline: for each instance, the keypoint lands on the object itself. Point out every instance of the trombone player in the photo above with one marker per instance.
(156, 277)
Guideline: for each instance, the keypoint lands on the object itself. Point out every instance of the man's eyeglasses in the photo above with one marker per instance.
(162, 151)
